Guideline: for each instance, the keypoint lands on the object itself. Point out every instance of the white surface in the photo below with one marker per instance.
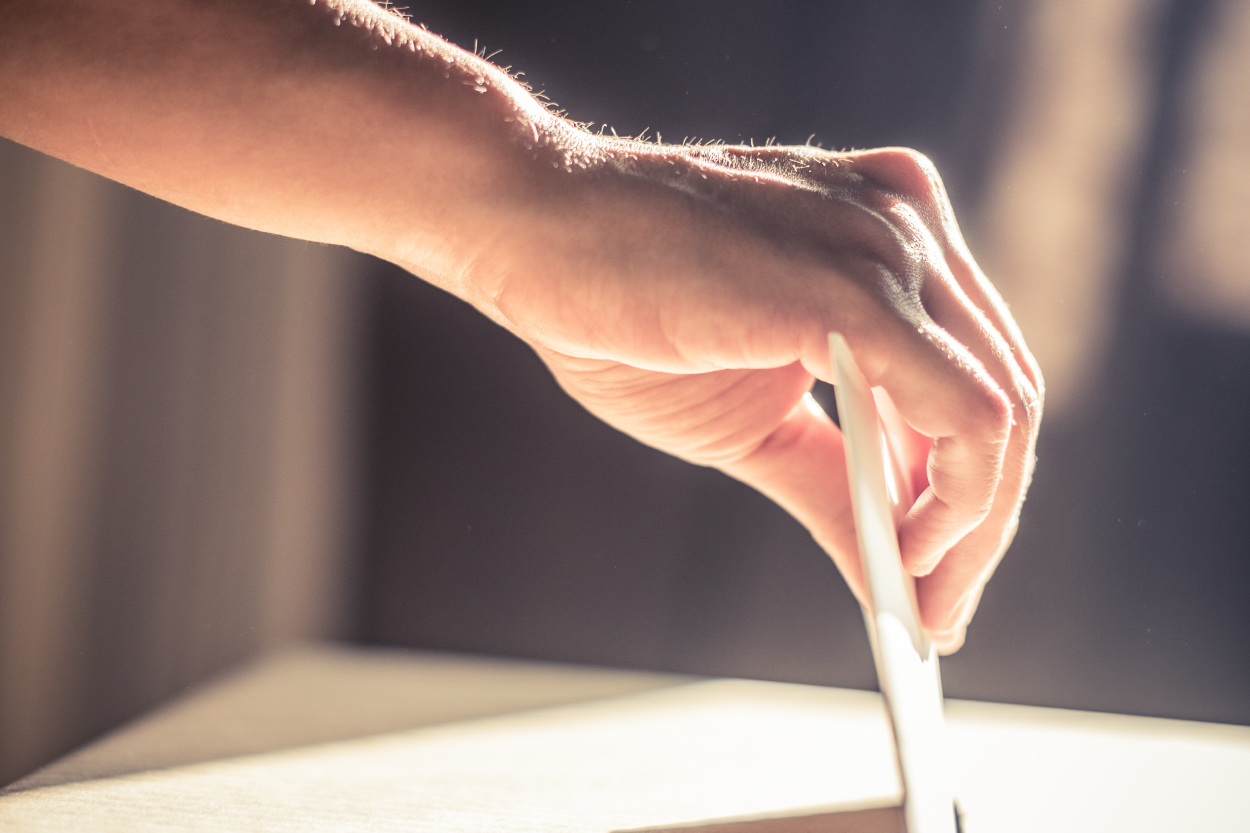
(681, 753)
(325, 693)
(689, 753)
(1031, 770)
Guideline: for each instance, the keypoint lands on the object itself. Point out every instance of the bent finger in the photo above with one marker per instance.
(950, 309)
(947, 596)
(941, 390)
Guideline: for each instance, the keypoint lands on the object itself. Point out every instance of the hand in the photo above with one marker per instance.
(684, 296)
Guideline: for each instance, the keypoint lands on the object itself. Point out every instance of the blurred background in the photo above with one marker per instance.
(215, 442)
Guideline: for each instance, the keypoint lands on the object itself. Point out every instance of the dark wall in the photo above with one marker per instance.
(849, 74)
(506, 520)
(1127, 588)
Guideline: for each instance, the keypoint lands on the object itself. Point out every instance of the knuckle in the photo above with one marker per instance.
(1032, 413)
(981, 501)
(1039, 396)
(968, 485)
(1026, 407)
(904, 171)
(993, 413)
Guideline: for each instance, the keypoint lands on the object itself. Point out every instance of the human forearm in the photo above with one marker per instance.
(338, 123)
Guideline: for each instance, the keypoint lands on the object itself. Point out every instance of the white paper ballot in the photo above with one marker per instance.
(907, 666)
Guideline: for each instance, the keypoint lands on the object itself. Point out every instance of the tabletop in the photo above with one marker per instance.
(345, 739)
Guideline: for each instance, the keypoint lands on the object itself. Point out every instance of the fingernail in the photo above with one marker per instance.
(949, 640)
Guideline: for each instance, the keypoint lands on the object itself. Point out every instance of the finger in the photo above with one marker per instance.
(987, 299)
(979, 291)
(936, 523)
(960, 569)
(951, 640)
(949, 308)
(963, 374)
(960, 573)
(756, 426)
(966, 467)
(959, 299)
(943, 392)
(949, 595)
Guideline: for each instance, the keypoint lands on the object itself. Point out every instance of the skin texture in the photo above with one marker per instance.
(681, 294)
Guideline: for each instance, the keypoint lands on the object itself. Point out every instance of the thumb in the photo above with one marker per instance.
(801, 466)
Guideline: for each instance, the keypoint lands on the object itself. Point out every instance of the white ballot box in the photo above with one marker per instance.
(346, 739)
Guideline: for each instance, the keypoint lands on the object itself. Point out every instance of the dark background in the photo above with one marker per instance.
(503, 519)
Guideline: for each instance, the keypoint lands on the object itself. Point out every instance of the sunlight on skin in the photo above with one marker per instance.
(681, 293)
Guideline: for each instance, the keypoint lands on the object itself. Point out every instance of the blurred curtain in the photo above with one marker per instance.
(1206, 261)
(1055, 218)
(1115, 224)
(176, 450)
(1120, 105)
